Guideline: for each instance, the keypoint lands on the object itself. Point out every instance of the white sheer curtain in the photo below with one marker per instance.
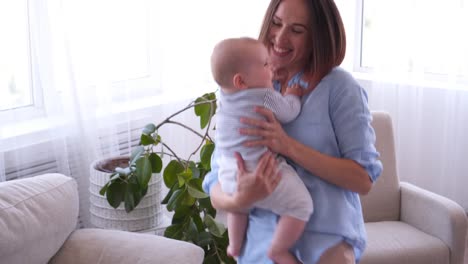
(105, 69)
(75, 118)
(430, 127)
(419, 75)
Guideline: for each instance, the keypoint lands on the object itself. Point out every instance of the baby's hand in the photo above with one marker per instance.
(294, 89)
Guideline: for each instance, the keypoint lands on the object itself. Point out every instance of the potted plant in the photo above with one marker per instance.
(107, 213)
(194, 217)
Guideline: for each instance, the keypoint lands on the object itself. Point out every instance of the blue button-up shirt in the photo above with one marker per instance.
(334, 120)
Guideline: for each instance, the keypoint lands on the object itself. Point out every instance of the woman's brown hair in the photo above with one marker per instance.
(327, 33)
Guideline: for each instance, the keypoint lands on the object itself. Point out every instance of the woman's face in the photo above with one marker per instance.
(288, 39)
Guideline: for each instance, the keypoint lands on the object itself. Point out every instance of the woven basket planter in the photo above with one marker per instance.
(145, 216)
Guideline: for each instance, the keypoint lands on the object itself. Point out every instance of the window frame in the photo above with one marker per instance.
(359, 28)
(36, 108)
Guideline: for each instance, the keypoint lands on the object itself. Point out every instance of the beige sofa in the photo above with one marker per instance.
(38, 219)
(406, 224)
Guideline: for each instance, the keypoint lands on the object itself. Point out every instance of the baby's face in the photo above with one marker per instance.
(259, 72)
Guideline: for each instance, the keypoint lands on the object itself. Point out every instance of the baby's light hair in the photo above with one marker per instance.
(229, 57)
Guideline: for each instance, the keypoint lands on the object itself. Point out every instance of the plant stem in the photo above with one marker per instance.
(183, 110)
(169, 121)
(173, 153)
(206, 131)
(188, 128)
(216, 250)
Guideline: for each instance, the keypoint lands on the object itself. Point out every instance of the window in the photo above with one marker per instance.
(159, 46)
(414, 36)
(16, 90)
(139, 47)
(114, 44)
(190, 33)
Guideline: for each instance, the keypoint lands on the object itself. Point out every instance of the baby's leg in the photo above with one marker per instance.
(237, 225)
(287, 232)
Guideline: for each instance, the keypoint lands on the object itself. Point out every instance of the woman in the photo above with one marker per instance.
(330, 144)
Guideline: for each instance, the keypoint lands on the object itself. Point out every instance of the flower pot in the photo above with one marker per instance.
(145, 216)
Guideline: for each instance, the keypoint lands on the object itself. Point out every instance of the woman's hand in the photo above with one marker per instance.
(255, 186)
(272, 134)
(251, 186)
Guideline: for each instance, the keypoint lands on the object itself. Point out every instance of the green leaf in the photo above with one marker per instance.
(175, 200)
(202, 169)
(210, 96)
(187, 199)
(180, 215)
(203, 110)
(116, 193)
(205, 204)
(143, 191)
(136, 192)
(157, 139)
(222, 241)
(211, 259)
(179, 197)
(204, 119)
(184, 176)
(174, 231)
(169, 194)
(205, 154)
(204, 239)
(143, 172)
(195, 189)
(156, 163)
(197, 220)
(104, 189)
(215, 228)
(192, 232)
(171, 171)
(149, 129)
(146, 140)
(129, 200)
(136, 153)
(194, 169)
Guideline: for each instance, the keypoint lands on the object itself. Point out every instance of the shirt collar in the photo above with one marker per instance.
(296, 79)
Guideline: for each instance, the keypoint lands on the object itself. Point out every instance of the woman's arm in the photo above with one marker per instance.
(251, 186)
(342, 172)
(345, 173)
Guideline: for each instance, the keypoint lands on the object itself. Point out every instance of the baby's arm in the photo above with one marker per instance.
(286, 108)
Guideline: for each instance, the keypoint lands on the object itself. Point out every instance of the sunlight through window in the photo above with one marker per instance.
(416, 36)
(15, 80)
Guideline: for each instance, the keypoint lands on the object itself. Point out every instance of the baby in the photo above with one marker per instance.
(240, 67)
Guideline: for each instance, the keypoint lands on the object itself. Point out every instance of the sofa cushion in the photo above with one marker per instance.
(37, 215)
(392, 242)
(121, 247)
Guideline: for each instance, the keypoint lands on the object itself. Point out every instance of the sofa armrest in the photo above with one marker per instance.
(120, 247)
(437, 216)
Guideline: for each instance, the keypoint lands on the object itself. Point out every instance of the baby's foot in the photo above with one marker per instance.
(232, 251)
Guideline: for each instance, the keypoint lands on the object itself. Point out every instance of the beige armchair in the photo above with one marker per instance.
(406, 224)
